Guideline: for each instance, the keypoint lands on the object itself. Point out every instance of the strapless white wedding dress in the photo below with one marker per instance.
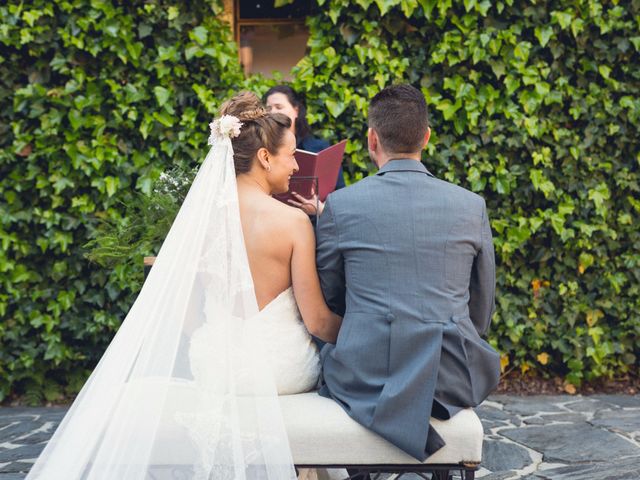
(278, 332)
(290, 350)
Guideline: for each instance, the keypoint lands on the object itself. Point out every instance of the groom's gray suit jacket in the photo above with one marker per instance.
(408, 260)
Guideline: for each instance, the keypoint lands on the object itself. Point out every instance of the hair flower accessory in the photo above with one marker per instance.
(226, 126)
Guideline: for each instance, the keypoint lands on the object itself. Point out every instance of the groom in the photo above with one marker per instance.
(408, 260)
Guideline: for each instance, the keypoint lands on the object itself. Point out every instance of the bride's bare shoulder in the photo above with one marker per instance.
(287, 213)
(275, 216)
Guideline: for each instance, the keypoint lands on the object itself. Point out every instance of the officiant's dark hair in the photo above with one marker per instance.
(399, 116)
(259, 129)
(296, 101)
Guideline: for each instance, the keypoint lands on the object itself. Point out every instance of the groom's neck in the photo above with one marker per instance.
(382, 160)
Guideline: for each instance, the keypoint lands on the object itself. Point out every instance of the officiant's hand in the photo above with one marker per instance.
(307, 205)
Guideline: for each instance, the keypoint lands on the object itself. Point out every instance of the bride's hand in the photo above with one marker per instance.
(307, 205)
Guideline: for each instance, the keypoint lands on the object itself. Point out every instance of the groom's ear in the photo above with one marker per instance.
(427, 136)
(372, 139)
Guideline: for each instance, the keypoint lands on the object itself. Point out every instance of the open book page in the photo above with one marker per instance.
(323, 166)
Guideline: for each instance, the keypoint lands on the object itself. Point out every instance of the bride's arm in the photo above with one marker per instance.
(319, 320)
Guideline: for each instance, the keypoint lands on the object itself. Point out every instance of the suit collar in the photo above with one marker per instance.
(403, 165)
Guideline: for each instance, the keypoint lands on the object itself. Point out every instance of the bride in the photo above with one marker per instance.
(188, 387)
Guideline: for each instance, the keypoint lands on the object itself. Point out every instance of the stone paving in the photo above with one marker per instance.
(532, 438)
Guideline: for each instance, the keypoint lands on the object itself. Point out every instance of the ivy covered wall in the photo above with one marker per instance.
(534, 106)
(97, 98)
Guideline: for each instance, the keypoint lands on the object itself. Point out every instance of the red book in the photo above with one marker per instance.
(321, 168)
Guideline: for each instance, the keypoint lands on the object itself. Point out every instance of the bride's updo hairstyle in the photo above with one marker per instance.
(259, 129)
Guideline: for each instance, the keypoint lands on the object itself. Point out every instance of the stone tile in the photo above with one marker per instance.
(627, 469)
(534, 421)
(9, 422)
(31, 412)
(627, 421)
(21, 411)
(549, 465)
(56, 414)
(16, 467)
(487, 425)
(17, 430)
(485, 412)
(35, 438)
(492, 417)
(25, 452)
(12, 476)
(588, 405)
(507, 399)
(490, 476)
(572, 443)
(622, 401)
(534, 405)
(502, 456)
(492, 413)
(564, 417)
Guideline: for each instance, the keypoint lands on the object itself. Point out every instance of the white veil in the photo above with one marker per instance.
(182, 391)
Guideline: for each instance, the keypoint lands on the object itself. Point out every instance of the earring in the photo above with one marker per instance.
(268, 167)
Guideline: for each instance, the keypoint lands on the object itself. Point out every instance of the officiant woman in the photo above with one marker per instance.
(283, 99)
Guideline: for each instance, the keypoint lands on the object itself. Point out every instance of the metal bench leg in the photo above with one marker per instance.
(358, 474)
(468, 474)
(441, 475)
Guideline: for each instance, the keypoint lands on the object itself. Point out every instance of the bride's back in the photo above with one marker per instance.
(269, 238)
(264, 162)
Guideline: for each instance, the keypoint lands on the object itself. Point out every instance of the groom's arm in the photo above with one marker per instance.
(482, 287)
(329, 261)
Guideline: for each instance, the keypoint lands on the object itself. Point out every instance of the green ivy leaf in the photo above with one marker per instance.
(448, 108)
(599, 196)
(199, 35)
(408, 7)
(173, 12)
(385, 5)
(111, 184)
(162, 95)
(76, 119)
(427, 7)
(604, 70)
(562, 18)
(335, 107)
(164, 117)
(544, 34)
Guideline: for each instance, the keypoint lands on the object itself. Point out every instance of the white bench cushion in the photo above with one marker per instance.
(321, 433)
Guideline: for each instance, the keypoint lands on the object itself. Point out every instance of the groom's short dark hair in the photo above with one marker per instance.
(399, 116)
